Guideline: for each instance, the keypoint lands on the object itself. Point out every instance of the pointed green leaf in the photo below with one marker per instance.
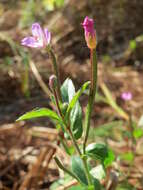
(78, 169)
(76, 121)
(41, 112)
(109, 159)
(97, 185)
(97, 151)
(68, 92)
(77, 95)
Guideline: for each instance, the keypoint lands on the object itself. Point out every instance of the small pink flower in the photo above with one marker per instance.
(126, 96)
(90, 33)
(41, 38)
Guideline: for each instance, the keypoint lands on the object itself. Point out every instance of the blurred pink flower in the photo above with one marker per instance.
(40, 38)
(90, 33)
(126, 96)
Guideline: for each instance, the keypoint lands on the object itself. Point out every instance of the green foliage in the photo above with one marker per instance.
(98, 172)
(61, 182)
(28, 14)
(97, 151)
(96, 183)
(76, 96)
(68, 93)
(50, 5)
(76, 121)
(125, 186)
(67, 90)
(128, 156)
(105, 130)
(133, 45)
(109, 159)
(41, 112)
(78, 187)
(78, 169)
(138, 133)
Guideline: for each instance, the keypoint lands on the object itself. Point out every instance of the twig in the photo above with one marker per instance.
(39, 78)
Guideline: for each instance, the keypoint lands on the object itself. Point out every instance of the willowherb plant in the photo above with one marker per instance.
(67, 114)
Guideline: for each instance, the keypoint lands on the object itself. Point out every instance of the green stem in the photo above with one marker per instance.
(57, 103)
(56, 73)
(74, 142)
(93, 60)
(88, 176)
(64, 169)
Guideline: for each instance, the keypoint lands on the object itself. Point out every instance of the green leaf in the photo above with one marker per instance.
(97, 151)
(41, 112)
(76, 121)
(138, 133)
(78, 169)
(78, 187)
(59, 3)
(76, 96)
(97, 185)
(68, 92)
(109, 159)
(98, 172)
(61, 182)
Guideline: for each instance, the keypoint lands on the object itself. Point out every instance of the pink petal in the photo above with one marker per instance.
(47, 35)
(31, 42)
(37, 31)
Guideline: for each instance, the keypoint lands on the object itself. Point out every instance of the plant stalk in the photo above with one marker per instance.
(64, 169)
(88, 176)
(73, 140)
(55, 67)
(93, 86)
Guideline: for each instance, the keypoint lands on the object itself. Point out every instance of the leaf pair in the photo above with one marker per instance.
(71, 108)
(74, 111)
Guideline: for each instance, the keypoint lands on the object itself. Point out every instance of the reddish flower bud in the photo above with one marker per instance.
(53, 81)
(90, 33)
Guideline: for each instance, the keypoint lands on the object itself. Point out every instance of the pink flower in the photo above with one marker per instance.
(126, 96)
(41, 38)
(90, 33)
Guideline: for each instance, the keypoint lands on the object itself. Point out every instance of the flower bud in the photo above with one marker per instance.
(90, 33)
(126, 96)
(64, 107)
(53, 82)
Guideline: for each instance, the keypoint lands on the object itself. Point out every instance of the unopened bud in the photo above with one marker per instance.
(90, 33)
(64, 107)
(53, 81)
